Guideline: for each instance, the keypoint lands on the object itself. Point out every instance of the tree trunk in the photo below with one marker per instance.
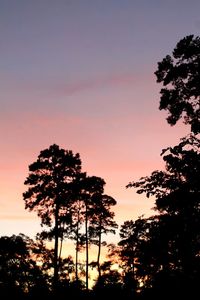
(86, 241)
(55, 279)
(77, 246)
(61, 244)
(99, 252)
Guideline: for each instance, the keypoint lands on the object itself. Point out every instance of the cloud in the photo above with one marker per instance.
(109, 81)
(99, 81)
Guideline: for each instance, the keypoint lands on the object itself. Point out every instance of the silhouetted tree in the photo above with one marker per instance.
(175, 232)
(109, 284)
(20, 272)
(102, 221)
(170, 252)
(76, 234)
(91, 186)
(132, 234)
(51, 189)
(77, 212)
(180, 76)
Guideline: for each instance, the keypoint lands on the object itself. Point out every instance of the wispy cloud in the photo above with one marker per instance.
(60, 87)
(109, 81)
(55, 87)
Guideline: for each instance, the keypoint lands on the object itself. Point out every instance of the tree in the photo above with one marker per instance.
(169, 253)
(102, 221)
(132, 234)
(110, 284)
(180, 76)
(176, 229)
(90, 187)
(19, 271)
(176, 190)
(77, 214)
(51, 190)
(77, 211)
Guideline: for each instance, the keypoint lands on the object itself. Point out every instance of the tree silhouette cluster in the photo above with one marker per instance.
(156, 257)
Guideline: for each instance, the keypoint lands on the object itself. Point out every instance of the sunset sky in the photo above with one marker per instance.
(80, 73)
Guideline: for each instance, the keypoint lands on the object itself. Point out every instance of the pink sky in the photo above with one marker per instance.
(81, 76)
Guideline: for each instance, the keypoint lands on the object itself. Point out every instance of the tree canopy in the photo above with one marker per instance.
(180, 76)
(51, 189)
(169, 252)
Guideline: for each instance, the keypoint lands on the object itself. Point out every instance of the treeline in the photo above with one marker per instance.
(155, 257)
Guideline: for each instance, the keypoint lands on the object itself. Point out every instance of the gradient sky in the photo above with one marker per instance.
(80, 74)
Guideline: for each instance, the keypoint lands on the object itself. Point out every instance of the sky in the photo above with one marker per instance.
(80, 73)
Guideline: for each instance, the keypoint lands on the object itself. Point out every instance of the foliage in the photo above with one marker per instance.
(52, 190)
(50, 182)
(19, 271)
(172, 244)
(177, 188)
(180, 76)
